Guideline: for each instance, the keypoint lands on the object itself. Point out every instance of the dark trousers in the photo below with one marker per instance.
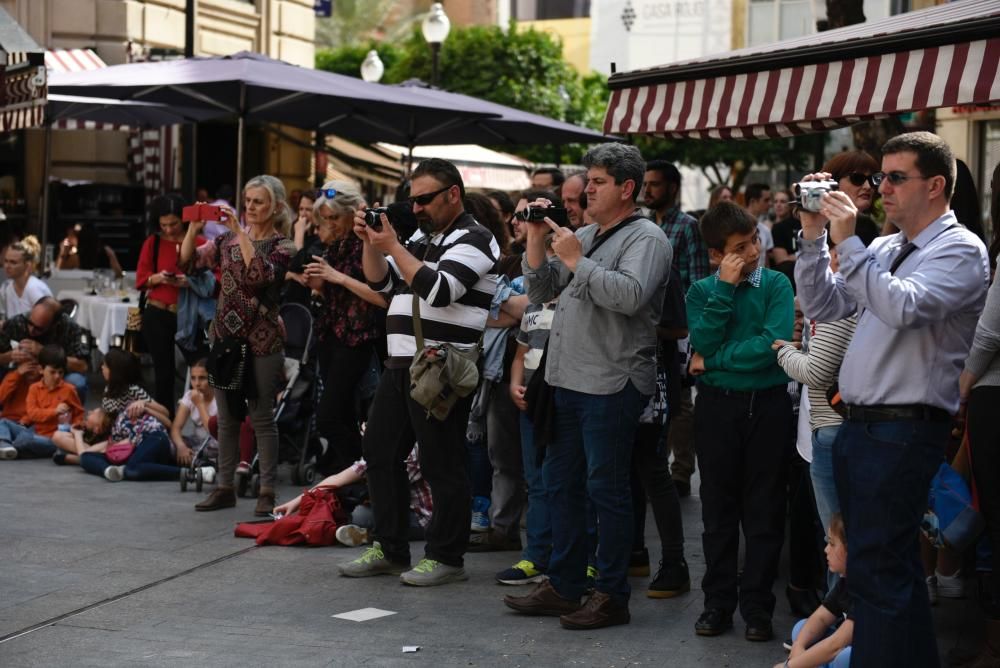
(152, 459)
(743, 447)
(590, 456)
(159, 327)
(395, 424)
(651, 479)
(806, 564)
(984, 443)
(883, 471)
(343, 368)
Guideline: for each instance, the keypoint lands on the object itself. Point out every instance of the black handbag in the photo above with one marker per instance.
(227, 364)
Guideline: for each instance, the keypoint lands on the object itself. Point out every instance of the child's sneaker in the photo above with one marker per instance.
(522, 573)
(480, 514)
(7, 451)
(949, 586)
(114, 473)
(243, 468)
(352, 535)
(208, 474)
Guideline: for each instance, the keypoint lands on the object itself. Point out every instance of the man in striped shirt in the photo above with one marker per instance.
(449, 266)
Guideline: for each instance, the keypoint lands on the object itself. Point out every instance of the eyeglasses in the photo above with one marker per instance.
(895, 178)
(426, 198)
(328, 193)
(858, 179)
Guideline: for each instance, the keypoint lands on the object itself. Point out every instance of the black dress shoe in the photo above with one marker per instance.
(803, 602)
(759, 627)
(713, 622)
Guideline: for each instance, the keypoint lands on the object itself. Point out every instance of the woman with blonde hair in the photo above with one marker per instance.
(252, 261)
(20, 293)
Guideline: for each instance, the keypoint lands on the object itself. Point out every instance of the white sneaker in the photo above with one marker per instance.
(8, 451)
(208, 474)
(950, 586)
(352, 535)
(114, 473)
(932, 589)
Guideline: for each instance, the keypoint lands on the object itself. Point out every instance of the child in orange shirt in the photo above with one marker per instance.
(52, 404)
(14, 389)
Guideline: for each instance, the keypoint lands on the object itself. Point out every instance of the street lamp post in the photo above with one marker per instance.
(435, 28)
(372, 68)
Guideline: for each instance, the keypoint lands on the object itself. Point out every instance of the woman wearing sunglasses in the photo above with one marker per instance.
(346, 323)
(852, 171)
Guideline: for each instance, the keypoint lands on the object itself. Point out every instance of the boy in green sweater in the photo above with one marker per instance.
(742, 420)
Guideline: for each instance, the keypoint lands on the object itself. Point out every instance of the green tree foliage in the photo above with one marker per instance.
(520, 69)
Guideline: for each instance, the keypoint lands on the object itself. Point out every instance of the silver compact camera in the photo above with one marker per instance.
(809, 193)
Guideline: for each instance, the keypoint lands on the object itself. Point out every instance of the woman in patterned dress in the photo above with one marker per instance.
(252, 260)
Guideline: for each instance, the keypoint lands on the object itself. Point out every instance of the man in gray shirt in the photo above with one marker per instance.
(918, 295)
(601, 363)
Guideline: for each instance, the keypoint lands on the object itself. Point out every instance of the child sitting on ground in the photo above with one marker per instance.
(14, 389)
(825, 638)
(363, 521)
(122, 390)
(190, 428)
(50, 404)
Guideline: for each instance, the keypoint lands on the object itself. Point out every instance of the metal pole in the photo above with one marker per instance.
(319, 176)
(240, 132)
(43, 215)
(435, 57)
(189, 132)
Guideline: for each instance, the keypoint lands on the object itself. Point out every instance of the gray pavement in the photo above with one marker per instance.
(127, 574)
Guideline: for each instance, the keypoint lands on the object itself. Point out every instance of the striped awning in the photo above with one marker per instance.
(940, 57)
(77, 60)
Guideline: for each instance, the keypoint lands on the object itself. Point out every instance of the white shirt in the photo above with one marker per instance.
(194, 417)
(13, 305)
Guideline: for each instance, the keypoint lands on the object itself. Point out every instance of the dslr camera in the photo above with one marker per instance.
(400, 215)
(809, 193)
(537, 214)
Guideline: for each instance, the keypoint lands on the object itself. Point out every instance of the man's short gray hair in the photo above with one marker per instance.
(622, 161)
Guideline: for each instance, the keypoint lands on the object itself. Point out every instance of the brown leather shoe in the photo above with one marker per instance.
(221, 497)
(599, 611)
(543, 600)
(265, 503)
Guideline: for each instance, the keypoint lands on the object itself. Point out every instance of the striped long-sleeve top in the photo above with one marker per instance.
(455, 287)
(818, 367)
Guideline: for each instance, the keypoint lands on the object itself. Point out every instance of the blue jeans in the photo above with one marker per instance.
(842, 660)
(79, 381)
(821, 473)
(591, 454)
(538, 522)
(883, 471)
(153, 459)
(28, 444)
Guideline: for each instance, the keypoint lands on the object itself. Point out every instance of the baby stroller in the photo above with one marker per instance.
(203, 456)
(298, 443)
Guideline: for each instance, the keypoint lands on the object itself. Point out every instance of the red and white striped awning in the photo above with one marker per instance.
(77, 60)
(940, 57)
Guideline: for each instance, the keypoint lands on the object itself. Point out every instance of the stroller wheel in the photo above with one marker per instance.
(255, 485)
(242, 484)
(184, 480)
(199, 480)
(307, 473)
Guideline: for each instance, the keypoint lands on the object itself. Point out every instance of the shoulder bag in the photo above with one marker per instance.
(133, 341)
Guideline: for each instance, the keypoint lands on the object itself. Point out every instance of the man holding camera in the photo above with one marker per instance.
(601, 363)
(918, 294)
(443, 285)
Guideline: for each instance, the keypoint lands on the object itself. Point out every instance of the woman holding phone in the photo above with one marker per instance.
(252, 261)
(159, 276)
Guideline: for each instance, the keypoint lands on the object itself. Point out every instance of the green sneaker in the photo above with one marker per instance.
(371, 562)
(591, 578)
(523, 572)
(429, 573)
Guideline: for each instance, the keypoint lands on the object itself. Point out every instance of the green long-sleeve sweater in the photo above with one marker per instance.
(733, 328)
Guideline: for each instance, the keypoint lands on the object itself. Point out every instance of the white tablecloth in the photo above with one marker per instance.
(76, 279)
(105, 317)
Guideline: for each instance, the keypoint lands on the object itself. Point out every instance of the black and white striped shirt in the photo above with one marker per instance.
(455, 285)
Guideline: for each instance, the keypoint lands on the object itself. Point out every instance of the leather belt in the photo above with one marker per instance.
(916, 412)
(156, 303)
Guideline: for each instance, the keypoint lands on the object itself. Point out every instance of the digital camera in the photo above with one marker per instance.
(400, 216)
(809, 193)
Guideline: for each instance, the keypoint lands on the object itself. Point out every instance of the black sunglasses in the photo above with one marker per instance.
(858, 179)
(426, 198)
(895, 178)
